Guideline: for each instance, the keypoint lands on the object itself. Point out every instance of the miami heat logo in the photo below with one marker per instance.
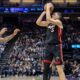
(51, 27)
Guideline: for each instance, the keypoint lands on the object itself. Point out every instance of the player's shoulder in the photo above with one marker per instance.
(59, 21)
(60, 24)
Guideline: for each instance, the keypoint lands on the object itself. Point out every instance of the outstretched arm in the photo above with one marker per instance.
(3, 30)
(48, 17)
(8, 38)
(40, 22)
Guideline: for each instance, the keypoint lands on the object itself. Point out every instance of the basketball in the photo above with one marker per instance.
(50, 5)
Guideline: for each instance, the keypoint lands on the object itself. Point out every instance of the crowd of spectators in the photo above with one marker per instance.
(26, 55)
(72, 69)
(71, 33)
(71, 36)
(28, 51)
(2, 47)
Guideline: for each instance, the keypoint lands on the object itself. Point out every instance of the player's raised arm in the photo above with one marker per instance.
(40, 22)
(48, 12)
(8, 38)
(56, 20)
(3, 30)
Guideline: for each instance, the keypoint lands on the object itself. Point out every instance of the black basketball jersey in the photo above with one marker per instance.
(53, 34)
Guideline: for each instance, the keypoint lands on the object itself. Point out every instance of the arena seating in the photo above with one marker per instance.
(25, 55)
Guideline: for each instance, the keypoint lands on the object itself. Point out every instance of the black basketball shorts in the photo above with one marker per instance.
(53, 52)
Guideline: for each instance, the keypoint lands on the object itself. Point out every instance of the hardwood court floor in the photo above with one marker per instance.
(25, 78)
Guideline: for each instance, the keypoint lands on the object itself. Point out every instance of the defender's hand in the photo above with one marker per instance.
(16, 31)
(4, 30)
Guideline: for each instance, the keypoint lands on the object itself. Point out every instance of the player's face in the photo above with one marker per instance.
(55, 16)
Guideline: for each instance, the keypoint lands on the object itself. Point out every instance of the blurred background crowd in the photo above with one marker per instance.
(27, 52)
(23, 55)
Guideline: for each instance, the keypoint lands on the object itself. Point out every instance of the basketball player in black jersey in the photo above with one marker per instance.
(8, 38)
(53, 41)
